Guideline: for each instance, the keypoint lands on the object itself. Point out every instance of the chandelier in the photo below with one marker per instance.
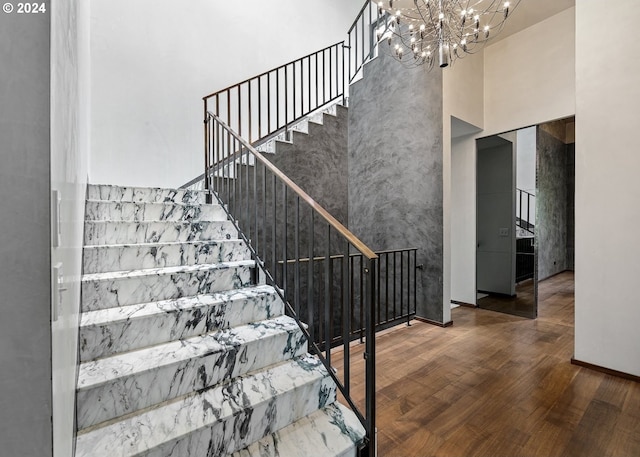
(419, 32)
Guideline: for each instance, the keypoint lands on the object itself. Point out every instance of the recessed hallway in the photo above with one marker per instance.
(499, 385)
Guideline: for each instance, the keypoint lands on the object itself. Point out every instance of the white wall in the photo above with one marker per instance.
(463, 219)
(152, 62)
(529, 77)
(463, 96)
(607, 185)
(69, 166)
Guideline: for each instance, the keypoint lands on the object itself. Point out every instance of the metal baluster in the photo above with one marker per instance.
(362, 298)
(277, 103)
(401, 283)
(379, 294)
(260, 108)
(346, 316)
(264, 214)
(274, 220)
(324, 95)
(301, 89)
(394, 285)
(415, 280)
(352, 298)
(293, 90)
(286, 101)
(256, 236)
(285, 256)
(337, 72)
(250, 113)
(207, 165)
(310, 276)
(327, 296)
(370, 351)
(386, 286)
(246, 192)
(229, 107)
(309, 105)
(239, 130)
(296, 272)
(330, 75)
(269, 103)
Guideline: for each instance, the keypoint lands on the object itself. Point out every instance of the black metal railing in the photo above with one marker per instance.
(269, 103)
(279, 222)
(525, 210)
(395, 294)
(362, 40)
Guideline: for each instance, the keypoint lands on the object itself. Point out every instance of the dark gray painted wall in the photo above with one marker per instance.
(571, 198)
(25, 327)
(395, 168)
(495, 211)
(551, 204)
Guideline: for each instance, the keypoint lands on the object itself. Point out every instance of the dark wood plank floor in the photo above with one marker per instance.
(500, 386)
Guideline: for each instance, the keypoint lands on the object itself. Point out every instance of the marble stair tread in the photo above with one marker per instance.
(117, 257)
(144, 194)
(219, 420)
(109, 331)
(118, 385)
(308, 436)
(98, 210)
(120, 288)
(98, 233)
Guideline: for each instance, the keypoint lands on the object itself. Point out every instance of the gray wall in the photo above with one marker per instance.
(25, 331)
(551, 204)
(318, 163)
(395, 168)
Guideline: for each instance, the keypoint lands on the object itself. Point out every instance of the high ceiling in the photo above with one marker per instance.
(527, 13)
(530, 12)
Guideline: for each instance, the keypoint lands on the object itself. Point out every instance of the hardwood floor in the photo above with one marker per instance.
(498, 385)
(522, 304)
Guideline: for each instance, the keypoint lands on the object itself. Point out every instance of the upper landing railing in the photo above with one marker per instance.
(271, 102)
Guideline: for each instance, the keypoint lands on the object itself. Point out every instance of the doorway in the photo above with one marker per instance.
(524, 214)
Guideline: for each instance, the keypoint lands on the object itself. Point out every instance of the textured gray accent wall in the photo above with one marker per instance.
(25, 325)
(318, 162)
(551, 204)
(395, 168)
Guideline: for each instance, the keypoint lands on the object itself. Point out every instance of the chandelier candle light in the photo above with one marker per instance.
(419, 30)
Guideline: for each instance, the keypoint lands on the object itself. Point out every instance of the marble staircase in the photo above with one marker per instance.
(182, 352)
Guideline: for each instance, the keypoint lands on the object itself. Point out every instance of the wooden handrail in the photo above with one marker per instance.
(332, 221)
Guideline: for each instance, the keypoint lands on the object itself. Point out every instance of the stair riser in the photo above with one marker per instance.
(239, 354)
(128, 331)
(141, 212)
(119, 258)
(220, 420)
(106, 232)
(308, 437)
(101, 294)
(134, 194)
(250, 425)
